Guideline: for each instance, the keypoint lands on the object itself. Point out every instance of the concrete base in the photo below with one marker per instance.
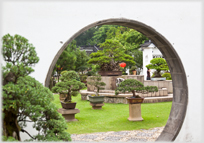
(96, 105)
(135, 112)
(69, 115)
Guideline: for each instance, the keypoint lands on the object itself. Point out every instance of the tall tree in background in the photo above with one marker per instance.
(24, 98)
(72, 59)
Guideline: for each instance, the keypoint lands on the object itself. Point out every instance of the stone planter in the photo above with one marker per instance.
(134, 100)
(96, 99)
(135, 109)
(68, 105)
(110, 73)
(158, 78)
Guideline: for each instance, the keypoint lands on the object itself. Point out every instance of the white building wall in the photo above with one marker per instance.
(147, 56)
(46, 23)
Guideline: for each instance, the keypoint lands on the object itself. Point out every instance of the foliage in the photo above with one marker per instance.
(111, 56)
(72, 59)
(96, 82)
(69, 84)
(167, 75)
(158, 64)
(83, 77)
(86, 38)
(91, 121)
(24, 98)
(9, 139)
(134, 86)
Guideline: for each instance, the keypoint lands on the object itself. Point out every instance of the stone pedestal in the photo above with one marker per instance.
(135, 112)
(96, 105)
(69, 115)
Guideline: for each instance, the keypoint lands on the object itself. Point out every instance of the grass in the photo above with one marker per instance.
(113, 117)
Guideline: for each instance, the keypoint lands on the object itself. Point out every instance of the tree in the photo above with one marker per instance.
(24, 98)
(158, 64)
(134, 86)
(72, 59)
(69, 85)
(109, 58)
(96, 82)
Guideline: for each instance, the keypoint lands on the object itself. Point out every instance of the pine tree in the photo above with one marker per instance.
(24, 98)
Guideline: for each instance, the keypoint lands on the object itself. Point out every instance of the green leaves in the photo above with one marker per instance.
(158, 64)
(111, 56)
(24, 98)
(133, 85)
(70, 83)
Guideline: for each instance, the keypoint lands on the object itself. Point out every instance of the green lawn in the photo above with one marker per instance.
(113, 117)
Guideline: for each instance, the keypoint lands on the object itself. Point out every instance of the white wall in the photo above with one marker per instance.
(46, 23)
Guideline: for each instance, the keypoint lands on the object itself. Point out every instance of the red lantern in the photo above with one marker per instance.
(122, 65)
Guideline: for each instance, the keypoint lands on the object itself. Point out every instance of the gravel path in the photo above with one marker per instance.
(121, 136)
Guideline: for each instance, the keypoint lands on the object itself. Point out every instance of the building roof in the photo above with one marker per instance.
(146, 43)
(90, 49)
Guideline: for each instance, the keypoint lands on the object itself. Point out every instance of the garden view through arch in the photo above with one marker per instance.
(180, 88)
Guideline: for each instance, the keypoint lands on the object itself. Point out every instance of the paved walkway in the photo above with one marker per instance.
(121, 136)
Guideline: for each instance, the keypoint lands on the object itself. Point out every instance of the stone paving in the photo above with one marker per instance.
(122, 136)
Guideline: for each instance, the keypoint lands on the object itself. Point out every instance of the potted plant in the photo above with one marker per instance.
(109, 58)
(159, 64)
(134, 86)
(96, 82)
(70, 85)
(133, 70)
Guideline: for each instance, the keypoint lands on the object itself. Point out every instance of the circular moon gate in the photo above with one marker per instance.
(180, 88)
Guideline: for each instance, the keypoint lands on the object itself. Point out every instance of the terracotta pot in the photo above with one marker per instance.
(134, 72)
(62, 96)
(68, 105)
(134, 100)
(110, 73)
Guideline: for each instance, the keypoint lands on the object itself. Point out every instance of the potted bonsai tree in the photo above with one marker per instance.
(159, 64)
(70, 85)
(96, 82)
(134, 86)
(109, 58)
(133, 70)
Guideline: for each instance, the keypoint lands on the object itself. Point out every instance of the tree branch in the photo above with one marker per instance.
(22, 130)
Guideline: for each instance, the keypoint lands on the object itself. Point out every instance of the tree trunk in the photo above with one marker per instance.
(10, 125)
(68, 98)
(133, 93)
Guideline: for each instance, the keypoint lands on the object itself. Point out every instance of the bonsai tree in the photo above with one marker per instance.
(134, 86)
(96, 82)
(158, 64)
(69, 84)
(24, 99)
(133, 68)
(109, 58)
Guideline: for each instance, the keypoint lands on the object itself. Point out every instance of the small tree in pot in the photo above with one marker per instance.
(134, 86)
(96, 82)
(69, 84)
(96, 100)
(158, 64)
